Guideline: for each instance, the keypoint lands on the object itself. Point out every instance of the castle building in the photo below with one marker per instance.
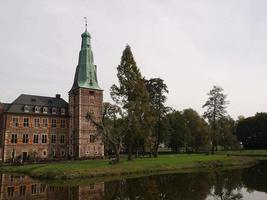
(45, 128)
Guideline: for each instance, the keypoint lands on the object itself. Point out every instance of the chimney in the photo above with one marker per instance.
(58, 96)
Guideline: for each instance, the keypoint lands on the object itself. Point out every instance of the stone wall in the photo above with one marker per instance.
(86, 142)
(40, 150)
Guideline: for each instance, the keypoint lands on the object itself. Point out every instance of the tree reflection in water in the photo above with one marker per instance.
(219, 185)
(227, 185)
(194, 186)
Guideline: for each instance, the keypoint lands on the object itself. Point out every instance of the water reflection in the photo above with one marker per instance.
(23, 187)
(195, 186)
(221, 185)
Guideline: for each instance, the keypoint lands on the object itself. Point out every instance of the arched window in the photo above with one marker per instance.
(63, 111)
(45, 110)
(36, 109)
(54, 111)
(26, 108)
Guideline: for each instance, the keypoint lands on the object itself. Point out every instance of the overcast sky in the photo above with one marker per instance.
(191, 44)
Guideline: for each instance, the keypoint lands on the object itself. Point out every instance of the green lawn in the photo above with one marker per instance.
(98, 168)
(254, 153)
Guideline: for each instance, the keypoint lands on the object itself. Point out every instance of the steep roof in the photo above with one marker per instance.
(32, 101)
(86, 75)
(6, 106)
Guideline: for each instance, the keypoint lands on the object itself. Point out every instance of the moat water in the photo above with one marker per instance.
(237, 184)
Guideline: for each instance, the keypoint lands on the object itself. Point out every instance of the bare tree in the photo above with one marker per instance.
(108, 127)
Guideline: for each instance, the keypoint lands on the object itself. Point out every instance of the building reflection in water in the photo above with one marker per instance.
(23, 187)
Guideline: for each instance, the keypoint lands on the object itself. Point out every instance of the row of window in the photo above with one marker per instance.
(25, 154)
(45, 110)
(37, 122)
(34, 189)
(37, 139)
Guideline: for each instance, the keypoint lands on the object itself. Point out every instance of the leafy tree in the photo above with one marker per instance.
(175, 127)
(111, 128)
(132, 95)
(186, 130)
(226, 135)
(215, 110)
(252, 131)
(157, 90)
(197, 130)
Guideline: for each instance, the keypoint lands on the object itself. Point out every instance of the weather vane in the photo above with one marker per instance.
(85, 20)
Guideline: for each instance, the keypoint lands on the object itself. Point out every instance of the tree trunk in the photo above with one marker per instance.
(156, 146)
(213, 135)
(212, 147)
(150, 150)
(130, 149)
(137, 150)
(117, 152)
(155, 150)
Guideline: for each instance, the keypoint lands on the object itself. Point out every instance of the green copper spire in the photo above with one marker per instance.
(85, 75)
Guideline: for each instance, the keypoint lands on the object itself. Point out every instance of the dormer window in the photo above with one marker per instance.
(36, 109)
(45, 110)
(54, 111)
(63, 111)
(26, 108)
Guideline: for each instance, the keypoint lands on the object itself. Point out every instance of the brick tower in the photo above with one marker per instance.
(85, 96)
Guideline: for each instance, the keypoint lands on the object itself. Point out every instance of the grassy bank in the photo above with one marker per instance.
(101, 168)
(257, 154)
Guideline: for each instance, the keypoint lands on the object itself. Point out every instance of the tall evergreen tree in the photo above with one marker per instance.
(132, 95)
(215, 110)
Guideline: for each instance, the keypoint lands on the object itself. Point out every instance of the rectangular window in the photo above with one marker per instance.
(34, 189)
(54, 123)
(71, 139)
(53, 139)
(54, 153)
(44, 139)
(26, 122)
(51, 188)
(22, 190)
(25, 138)
(13, 153)
(10, 191)
(92, 186)
(14, 138)
(45, 122)
(62, 123)
(35, 139)
(62, 139)
(36, 122)
(91, 99)
(42, 188)
(92, 138)
(15, 122)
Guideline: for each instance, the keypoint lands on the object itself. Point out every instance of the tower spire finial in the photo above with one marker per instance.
(85, 21)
